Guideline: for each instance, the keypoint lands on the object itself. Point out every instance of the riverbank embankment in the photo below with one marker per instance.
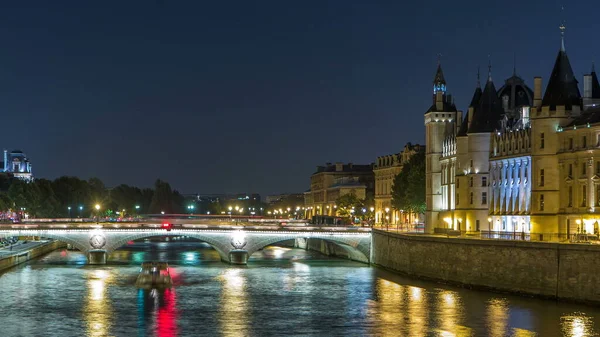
(17, 257)
(550, 270)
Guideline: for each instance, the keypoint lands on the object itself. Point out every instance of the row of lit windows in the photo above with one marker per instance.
(471, 198)
(483, 182)
(583, 196)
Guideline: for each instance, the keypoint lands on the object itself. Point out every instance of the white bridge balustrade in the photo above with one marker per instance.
(234, 245)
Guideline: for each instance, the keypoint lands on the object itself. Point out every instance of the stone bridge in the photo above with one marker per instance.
(234, 245)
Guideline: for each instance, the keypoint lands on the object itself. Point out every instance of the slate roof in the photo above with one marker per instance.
(519, 94)
(562, 87)
(439, 76)
(464, 126)
(488, 112)
(595, 85)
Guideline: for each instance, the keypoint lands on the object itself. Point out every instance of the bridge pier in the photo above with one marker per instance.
(238, 256)
(97, 256)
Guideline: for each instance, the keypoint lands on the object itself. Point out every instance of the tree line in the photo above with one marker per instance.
(75, 197)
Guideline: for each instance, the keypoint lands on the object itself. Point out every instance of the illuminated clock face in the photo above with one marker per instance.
(97, 241)
(238, 242)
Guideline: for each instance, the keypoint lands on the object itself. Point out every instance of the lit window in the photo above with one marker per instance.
(570, 204)
(541, 202)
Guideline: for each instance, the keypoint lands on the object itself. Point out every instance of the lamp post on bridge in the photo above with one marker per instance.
(80, 210)
(69, 208)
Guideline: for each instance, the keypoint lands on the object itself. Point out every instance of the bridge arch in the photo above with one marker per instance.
(357, 247)
(215, 242)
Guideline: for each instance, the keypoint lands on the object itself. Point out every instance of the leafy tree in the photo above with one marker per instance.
(347, 202)
(408, 190)
(163, 199)
(49, 205)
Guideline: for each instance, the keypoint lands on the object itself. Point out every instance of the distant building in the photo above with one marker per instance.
(17, 164)
(385, 170)
(252, 197)
(273, 199)
(331, 181)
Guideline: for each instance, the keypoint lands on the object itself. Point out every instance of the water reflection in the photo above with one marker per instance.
(284, 291)
(157, 312)
(233, 308)
(577, 325)
(98, 311)
(497, 317)
(417, 311)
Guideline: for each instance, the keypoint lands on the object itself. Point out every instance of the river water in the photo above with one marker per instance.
(282, 292)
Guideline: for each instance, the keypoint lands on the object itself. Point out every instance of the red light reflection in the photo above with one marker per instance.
(166, 321)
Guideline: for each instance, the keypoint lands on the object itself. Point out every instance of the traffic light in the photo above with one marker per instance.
(167, 226)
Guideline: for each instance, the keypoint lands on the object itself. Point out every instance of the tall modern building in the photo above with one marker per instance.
(17, 164)
(519, 160)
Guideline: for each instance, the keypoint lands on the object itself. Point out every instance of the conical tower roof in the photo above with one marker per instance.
(488, 111)
(562, 86)
(439, 76)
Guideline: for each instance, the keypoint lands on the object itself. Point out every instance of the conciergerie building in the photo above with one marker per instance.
(519, 160)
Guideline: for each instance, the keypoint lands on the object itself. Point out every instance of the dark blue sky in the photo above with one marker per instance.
(227, 96)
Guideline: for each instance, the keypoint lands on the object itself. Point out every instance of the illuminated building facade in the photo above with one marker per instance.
(385, 170)
(519, 161)
(17, 164)
(331, 181)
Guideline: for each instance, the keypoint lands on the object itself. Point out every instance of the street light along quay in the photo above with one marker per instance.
(97, 207)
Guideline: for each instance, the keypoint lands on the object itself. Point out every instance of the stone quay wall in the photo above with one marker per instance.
(551, 270)
(18, 258)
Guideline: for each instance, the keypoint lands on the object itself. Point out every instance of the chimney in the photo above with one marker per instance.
(537, 91)
(587, 86)
(339, 166)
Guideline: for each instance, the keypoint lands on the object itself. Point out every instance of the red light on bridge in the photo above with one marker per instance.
(167, 226)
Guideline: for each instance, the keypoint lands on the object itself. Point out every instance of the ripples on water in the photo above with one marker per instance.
(283, 291)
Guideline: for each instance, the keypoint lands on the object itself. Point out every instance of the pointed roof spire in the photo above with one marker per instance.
(562, 88)
(489, 69)
(477, 93)
(593, 67)
(487, 110)
(439, 75)
(562, 28)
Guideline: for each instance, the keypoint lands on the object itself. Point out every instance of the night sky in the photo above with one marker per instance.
(249, 96)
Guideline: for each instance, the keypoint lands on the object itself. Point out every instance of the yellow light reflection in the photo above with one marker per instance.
(97, 311)
(497, 317)
(450, 311)
(233, 311)
(417, 311)
(577, 325)
(387, 312)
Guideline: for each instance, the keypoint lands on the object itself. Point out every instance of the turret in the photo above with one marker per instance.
(440, 123)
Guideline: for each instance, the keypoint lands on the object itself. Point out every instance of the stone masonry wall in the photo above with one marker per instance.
(568, 271)
(11, 261)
